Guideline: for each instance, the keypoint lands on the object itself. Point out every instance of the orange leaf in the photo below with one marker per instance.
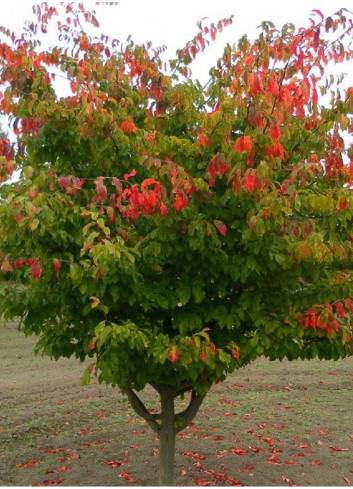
(243, 144)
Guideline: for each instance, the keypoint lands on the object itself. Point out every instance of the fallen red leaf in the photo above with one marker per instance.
(196, 456)
(218, 476)
(316, 462)
(288, 481)
(115, 463)
(274, 460)
(255, 449)
(246, 469)
(73, 455)
(53, 482)
(270, 441)
(55, 471)
(30, 463)
(54, 450)
(338, 449)
(202, 482)
(232, 482)
(290, 462)
(126, 475)
(347, 480)
(238, 451)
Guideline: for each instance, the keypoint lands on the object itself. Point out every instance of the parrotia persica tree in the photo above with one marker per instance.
(170, 231)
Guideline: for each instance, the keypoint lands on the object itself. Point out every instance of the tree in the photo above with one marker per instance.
(170, 231)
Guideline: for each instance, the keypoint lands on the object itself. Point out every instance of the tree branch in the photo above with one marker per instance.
(186, 416)
(141, 410)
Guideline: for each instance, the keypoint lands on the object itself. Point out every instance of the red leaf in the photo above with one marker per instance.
(30, 463)
(173, 354)
(275, 132)
(53, 482)
(128, 175)
(196, 456)
(126, 475)
(340, 309)
(221, 227)
(73, 456)
(235, 353)
(303, 445)
(164, 210)
(274, 460)
(6, 267)
(347, 480)
(202, 482)
(238, 451)
(338, 449)
(203, 355)
(246, 469)
(116, 463)
(61, 469)
(36, 270)
(270, 441)
(181, 201)
(77, 183)
(288, 481)
(318, 13)
(101, 189)
(243, 144)
(255, 449)
(56, 265)
(19, 263)
(64, 181)
(316, 462)
(128, 126)
(249, 182)
(73, 86)
(201, 140)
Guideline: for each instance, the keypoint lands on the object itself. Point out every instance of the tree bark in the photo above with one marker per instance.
(167, 436)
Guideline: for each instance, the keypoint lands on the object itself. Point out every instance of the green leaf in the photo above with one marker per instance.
(86, 377)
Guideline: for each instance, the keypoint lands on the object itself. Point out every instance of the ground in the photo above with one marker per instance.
(270, 423)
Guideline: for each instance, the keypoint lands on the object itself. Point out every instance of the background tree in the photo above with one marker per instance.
(174, 232)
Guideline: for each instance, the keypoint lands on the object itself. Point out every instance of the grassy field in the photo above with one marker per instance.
(270, 424)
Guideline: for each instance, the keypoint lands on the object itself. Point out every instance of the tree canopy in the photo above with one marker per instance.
(174, 232)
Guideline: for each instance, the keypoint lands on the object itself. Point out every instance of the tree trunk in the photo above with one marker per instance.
(167, 424)
(167, 435)
(166, 456)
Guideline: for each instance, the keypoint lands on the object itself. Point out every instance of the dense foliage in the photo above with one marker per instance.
(172, 231)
